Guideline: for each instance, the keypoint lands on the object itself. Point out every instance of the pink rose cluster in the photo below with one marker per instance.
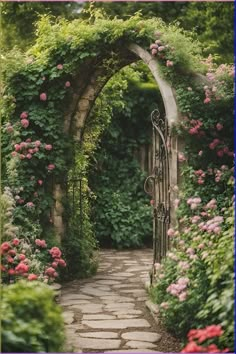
(195, 128)
(40, 243)
(194, 203)
(212, 225)
(26, 149)
(200, 176)
(15, 263)
(178, 289)
(159, 49)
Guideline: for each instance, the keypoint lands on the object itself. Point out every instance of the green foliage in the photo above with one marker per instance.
(121, 210)
(202, 246)
(31, 321)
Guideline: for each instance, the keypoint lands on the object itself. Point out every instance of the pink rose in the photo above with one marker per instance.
(161, 48)
(219, 126)
(28, 140)
(164, 305)
(37, 143)
(17, 147)
(154, 51)
(22, 268)
(15, 242)
(48, 147)
(40, 182)
(55, 252)
(25, 123)
(24, 115)
(41, 243)
(59, 66)
(50, 272)
(22, 257)
(170, 232)
(11, 271)
(220, 153)
(5, 247)
(51, 167)
(32, 277)
(61, 262)
(29, 156)
(168, 62)
(54, 264)
(67, 84)
(43, 97)
(207, 100)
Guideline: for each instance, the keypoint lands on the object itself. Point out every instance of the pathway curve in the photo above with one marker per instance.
(107, 312)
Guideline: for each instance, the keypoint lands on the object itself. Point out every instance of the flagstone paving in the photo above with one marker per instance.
(107, 313)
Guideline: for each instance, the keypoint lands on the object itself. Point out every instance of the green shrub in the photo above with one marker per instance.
(31, 321)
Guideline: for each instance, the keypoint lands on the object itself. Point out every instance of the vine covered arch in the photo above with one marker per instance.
(50, 94)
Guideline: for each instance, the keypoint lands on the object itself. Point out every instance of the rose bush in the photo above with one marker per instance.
(195, 281)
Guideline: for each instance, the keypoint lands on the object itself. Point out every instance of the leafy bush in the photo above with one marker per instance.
(195, 282)
(31, 321)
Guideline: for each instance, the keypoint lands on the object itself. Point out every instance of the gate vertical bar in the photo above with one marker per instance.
(158, 186)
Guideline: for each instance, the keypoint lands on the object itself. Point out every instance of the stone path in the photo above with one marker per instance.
(107, 313)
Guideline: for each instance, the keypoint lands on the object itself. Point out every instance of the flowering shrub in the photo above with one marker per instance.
(204, 335)
(202, 244)
(22, 259)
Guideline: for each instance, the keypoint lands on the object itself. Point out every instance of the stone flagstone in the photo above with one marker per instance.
(141, 336)
(105, 335)
(139, 345)
(118, 324)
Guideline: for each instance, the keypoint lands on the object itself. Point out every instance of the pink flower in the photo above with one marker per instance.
(157, 266)
(15, 242)
(59, 66)
(184, 265)
(10, 259)
(11, 271)
(67, 84)
(25, 123)
(43, 97)
(200, 153)
(207, 100)
(201, 246)
(37, 143)
(24, 115)
(28, 140)
(32, 277)
(190, 251)
(220, 153)
(12, 253)
(22, 257)
(50, 272)
(154, 51)
(219, 126)
(61, 262)
(29, 156)
(181, 157)
(17, 147)
(51, 167)
(40, 243)
(161, 48)
(54, 264)
(168, 62)
(5, 247)
(182, 296)
(30, 205)
(22, 268)
(200, 181)
(55, 252)
(48, 147)
(40, 182)
(217, 230)
(170, 232)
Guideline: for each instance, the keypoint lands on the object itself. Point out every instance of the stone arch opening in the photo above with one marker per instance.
(83, 99)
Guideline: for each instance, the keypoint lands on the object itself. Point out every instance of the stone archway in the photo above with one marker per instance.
(83, 100)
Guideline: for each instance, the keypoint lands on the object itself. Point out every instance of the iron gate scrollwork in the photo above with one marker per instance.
(157, 185)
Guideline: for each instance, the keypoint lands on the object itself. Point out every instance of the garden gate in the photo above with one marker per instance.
(157, 185)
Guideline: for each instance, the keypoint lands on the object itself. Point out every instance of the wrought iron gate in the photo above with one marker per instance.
(158, 186)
